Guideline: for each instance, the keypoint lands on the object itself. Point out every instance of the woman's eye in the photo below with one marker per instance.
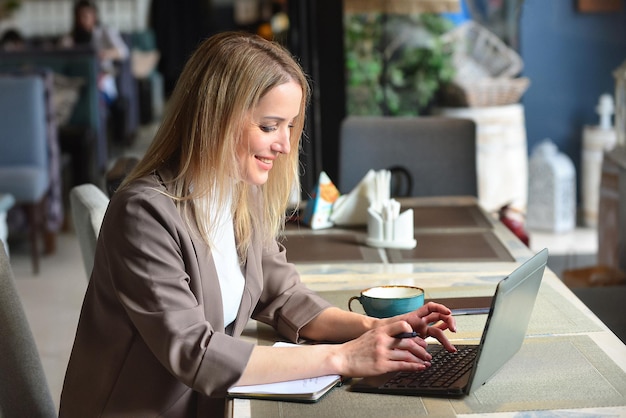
(265, 128)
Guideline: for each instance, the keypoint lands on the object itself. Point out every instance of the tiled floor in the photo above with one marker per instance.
(52, 302)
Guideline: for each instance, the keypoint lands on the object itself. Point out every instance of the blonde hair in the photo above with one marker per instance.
(222, 82)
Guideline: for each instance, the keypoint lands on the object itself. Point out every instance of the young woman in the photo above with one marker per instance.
(107, 42)
(187, 254)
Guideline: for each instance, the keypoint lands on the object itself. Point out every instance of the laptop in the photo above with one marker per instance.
(502, 337)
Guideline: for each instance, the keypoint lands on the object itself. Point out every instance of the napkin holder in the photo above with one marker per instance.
(351, 209)
(394, 233)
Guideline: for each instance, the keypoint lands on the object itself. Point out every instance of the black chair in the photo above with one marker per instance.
(427, 155)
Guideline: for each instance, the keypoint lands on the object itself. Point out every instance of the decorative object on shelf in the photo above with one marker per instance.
(486, 89)
(597, 140)
(479, 53)
(612, 206)
(612, 211)
(485, 69)
(501, 154)
(486, 92)
(552, 190)
(620, 105)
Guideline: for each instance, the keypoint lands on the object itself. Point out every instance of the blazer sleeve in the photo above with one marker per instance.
(286, 303)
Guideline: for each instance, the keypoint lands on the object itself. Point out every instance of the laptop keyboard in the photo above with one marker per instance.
(445, 369)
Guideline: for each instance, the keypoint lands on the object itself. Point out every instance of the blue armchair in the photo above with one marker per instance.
(24, 161)
(83, 137)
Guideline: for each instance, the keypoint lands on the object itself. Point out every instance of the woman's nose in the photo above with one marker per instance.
(283, 144)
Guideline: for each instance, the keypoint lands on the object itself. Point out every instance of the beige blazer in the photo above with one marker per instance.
(151, 338)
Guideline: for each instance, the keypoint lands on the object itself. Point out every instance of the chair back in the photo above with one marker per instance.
(427, 155)
(24, 391)
(88, 204)
(23, 135)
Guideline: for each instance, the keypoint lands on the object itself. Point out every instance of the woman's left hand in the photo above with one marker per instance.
(430, 321)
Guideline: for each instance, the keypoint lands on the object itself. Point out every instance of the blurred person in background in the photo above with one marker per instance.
(106, 41)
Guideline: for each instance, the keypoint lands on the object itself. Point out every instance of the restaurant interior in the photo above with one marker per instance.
(518, 106)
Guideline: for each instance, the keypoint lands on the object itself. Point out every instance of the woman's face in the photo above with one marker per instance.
(268, 131)
(86, 18)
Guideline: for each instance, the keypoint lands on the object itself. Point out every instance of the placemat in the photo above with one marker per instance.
(551, 373)
(332, 247)
(453, 246)
(547, 373)
(429, 217)
(449, 217)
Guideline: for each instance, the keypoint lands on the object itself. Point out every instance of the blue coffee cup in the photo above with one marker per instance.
(387, 301)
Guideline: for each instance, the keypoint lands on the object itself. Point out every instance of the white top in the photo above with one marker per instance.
(103, 38)
(228, 267)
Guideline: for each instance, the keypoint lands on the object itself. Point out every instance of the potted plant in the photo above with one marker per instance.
(396, 64)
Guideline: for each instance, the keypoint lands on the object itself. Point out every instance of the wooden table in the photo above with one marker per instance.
(446, 229)
(569, 361)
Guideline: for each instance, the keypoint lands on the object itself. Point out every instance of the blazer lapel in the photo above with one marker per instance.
(252, 290)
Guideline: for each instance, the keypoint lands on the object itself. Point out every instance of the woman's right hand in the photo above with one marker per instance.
(377, 351)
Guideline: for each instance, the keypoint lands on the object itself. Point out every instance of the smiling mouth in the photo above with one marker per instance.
(264, 160)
